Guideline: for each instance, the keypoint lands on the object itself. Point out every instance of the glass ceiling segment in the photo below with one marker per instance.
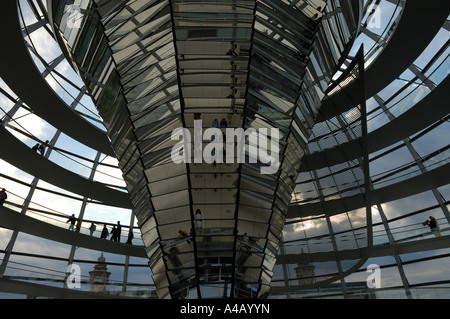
(271, 105)
(55, 69)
